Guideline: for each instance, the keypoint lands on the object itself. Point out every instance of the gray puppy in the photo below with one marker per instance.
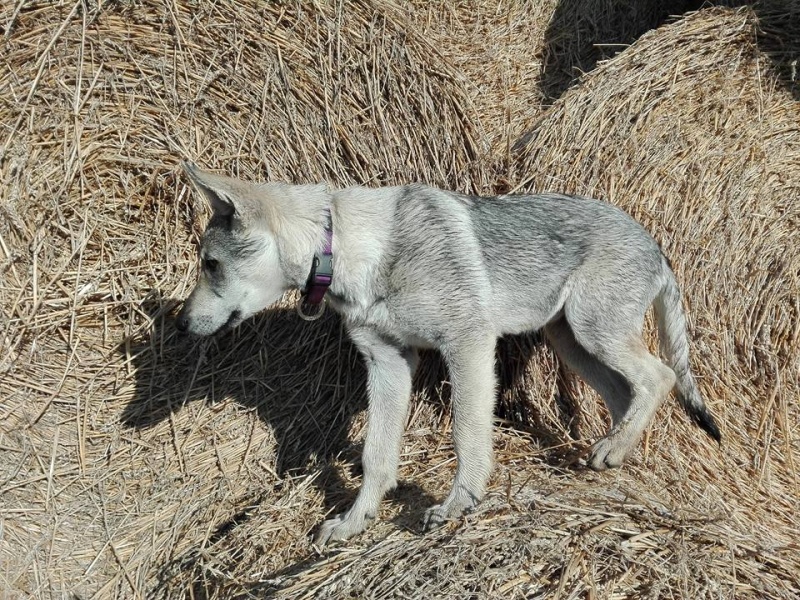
(417, 267)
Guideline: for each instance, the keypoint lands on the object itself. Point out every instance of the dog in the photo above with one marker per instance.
(413, 267)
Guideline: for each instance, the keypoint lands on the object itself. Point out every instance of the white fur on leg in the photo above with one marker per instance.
(389, 373)
(610, 452)
(471, 366)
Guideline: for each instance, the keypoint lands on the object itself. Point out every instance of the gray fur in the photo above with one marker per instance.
(417, 267)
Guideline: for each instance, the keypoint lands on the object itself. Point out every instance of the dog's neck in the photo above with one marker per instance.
(297, 216)
(362, 239)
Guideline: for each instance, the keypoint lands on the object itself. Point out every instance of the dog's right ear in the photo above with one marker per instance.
(217, 189)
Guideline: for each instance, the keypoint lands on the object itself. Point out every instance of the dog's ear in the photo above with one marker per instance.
(220, 191)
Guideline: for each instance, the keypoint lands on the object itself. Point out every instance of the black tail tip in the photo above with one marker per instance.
(707, 424)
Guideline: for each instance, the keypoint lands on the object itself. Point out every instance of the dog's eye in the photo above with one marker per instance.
(210, 265)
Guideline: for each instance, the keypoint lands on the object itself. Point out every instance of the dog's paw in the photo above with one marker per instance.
(607, 453)
(339, 529)
(435, 517)
(448, 510)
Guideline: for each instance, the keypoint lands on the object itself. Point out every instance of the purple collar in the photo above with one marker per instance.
(320, 276)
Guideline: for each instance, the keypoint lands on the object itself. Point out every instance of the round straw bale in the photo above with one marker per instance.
(99, 102)
(693, 131)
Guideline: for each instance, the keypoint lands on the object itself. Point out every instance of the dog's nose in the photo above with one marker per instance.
(182, 322)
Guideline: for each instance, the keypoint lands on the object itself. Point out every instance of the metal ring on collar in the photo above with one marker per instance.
(310, 316)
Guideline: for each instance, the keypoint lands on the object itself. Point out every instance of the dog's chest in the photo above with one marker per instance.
(382, 317)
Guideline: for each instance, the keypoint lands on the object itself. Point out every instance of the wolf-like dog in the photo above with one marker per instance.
(418, 267)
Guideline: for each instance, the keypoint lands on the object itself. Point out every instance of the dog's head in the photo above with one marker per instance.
(259, 243)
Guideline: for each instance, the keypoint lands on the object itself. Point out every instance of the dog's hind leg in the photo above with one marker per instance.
(390, 369)
(612, 387)
(613, 339)
(472, 375)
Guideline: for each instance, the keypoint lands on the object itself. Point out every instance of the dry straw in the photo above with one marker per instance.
(137, 464)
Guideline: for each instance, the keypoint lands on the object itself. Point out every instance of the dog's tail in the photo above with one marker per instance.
(674, 340)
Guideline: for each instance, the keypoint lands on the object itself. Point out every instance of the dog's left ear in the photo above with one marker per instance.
(220, 191)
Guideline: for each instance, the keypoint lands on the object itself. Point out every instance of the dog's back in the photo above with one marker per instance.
(539, 249)
(445, 260)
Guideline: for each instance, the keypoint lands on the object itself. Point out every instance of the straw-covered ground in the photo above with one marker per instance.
(139, 464)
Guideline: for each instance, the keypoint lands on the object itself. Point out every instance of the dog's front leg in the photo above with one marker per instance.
(471, 366)
(390, 369)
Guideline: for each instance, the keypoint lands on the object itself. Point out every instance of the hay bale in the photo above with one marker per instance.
(700, 148)
(97, 243)
(700, 143)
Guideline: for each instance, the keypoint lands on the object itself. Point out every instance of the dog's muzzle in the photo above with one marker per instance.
(182, 322)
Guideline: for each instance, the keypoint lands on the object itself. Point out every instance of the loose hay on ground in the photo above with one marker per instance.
(138, 464)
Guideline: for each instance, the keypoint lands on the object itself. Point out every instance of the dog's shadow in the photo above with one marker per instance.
(307, 382)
